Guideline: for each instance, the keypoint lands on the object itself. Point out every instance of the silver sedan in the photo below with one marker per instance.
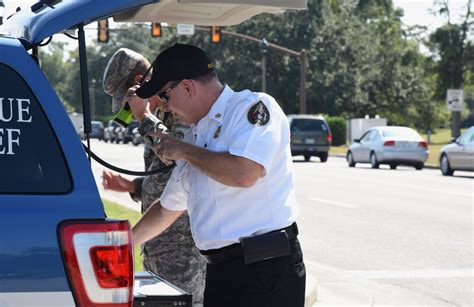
(459, 155)
(390, 145)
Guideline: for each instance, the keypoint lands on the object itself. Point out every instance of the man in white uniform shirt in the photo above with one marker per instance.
(234, 176)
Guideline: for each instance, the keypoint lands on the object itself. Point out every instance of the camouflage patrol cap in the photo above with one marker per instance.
(122, 66)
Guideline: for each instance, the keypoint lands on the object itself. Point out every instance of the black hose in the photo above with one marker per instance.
(126, 171)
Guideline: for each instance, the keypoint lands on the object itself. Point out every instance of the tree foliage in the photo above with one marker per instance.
(453, 49)
(55, 68)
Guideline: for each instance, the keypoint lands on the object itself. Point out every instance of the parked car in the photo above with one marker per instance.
(58, 248)
(310, 136)
(459, 155)
(137, 138)
(113, 132)
(97, 131)
(128, 131)
(119, 134)
(390, 145)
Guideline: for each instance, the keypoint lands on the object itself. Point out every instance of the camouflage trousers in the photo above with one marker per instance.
(174, 257)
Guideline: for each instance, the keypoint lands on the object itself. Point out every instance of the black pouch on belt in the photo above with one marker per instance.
(267, 246)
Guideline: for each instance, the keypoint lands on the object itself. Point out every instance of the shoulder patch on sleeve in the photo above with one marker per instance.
(258, 114)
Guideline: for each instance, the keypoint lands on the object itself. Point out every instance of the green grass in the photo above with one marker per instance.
(119, 212)
(433, 155)
(442, 136)
(338, 149)
(437, 141)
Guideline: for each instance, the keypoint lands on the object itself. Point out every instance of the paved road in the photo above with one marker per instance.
(124, 156)
(373, 237)
(387, 237)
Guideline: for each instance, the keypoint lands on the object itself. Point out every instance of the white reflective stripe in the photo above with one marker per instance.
(28, 299)
(83, 242)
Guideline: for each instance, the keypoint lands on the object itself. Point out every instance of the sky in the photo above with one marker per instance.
(11, 5)
(416, 12)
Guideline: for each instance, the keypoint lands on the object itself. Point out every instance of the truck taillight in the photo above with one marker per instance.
(329, 138)
(99, 261)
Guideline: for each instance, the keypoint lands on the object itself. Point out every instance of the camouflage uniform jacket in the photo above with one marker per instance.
(173, 254)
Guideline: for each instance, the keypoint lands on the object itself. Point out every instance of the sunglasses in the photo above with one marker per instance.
(164, 95)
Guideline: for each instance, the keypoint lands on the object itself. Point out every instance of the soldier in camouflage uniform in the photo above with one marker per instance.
(173, 254)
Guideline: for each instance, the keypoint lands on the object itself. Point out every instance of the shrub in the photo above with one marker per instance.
(338, 128)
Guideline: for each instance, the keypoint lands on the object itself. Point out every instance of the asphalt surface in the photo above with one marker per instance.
(386, 237)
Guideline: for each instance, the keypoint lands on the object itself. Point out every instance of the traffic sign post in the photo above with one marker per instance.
(454, 103)
(454, 100)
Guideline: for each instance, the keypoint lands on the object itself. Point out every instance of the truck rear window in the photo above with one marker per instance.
(31, 160)
(308, 124)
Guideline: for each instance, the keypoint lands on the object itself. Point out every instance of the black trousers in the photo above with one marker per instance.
(277, 282)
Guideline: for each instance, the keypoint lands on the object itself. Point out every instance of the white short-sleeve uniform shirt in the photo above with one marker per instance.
(219, 214)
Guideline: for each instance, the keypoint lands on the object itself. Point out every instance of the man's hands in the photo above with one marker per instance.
(115, 182)
(223, 167)
(169, 148)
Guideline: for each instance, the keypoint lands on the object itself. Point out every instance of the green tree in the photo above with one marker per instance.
(453, 57)
(56, 70)
(361, 62)
(453, 51)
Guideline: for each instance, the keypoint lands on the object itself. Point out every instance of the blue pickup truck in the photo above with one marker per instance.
(57, 246)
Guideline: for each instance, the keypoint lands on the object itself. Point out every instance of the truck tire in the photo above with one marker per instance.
(323, 156)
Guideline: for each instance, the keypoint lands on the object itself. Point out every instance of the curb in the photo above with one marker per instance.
(311, 293)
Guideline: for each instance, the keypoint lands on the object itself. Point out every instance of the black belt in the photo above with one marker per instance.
(234, 251)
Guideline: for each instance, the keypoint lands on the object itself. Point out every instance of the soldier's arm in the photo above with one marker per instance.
(155, 220)
(136, 194)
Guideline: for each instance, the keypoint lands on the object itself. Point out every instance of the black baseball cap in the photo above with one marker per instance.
(175, 63)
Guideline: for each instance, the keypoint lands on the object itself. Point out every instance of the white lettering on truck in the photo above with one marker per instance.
(8, 113)
(23, 109)
(10, 140)
(2, 110)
